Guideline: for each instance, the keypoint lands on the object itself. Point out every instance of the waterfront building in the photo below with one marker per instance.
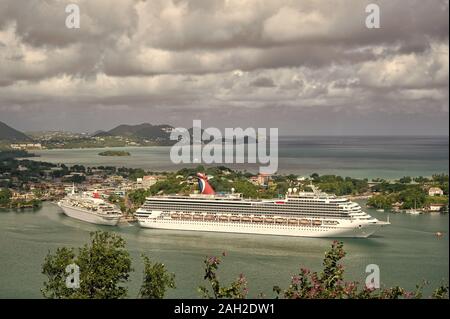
(435, 191)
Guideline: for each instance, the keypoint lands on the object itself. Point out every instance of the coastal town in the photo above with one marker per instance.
(27, 182)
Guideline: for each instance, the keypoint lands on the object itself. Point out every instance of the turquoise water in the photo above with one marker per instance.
(385, 157)
(407, 252)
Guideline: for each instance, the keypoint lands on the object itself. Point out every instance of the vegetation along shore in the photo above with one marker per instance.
(114, 153)
(25, 183)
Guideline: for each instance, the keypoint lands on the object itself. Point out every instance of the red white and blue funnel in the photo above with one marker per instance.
(203, 185)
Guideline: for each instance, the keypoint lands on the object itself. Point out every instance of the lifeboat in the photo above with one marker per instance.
(210, 217)
(257, 219)
(235, 218)
(198, 217)
(185, 216)
(268, 220)
(280, 220)
(175, 216)
(317, 222)
(223, 218)
(293, 221)
(246, 219)
(305, 221)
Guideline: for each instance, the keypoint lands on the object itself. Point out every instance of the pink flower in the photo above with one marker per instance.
(295, 280)
(242, 279)
(213, 260)
(409, 295)
(305, 270)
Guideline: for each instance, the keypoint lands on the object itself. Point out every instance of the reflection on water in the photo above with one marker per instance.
(407, 252)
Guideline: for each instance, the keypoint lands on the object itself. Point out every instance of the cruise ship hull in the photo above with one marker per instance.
(89, 217)
(352, 229)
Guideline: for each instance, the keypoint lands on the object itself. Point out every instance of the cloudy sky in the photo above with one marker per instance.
(306, 67)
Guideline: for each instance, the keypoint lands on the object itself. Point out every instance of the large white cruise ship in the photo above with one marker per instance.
(91, 209)
(305, 214)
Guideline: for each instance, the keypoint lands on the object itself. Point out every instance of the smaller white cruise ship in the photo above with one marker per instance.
(91, 209)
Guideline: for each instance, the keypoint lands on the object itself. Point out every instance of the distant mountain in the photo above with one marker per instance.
(145, 130)
(10, 134)
(101, 133)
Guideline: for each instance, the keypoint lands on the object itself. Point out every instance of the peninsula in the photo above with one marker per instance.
(114, 153)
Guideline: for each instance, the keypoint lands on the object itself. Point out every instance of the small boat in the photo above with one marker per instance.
(223, 218)
(280, 220)
(246, 219)
(317, 222)
(175, 216)
(293, 221)
(235, 218)
(305, 221)
(414, 211)
(268, 220)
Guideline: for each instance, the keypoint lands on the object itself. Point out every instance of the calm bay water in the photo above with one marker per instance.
(385, 157)
(407, 252)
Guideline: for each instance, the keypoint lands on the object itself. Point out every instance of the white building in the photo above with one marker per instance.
(148, 180)
(435, 191)
(435, 207)
(27, 146)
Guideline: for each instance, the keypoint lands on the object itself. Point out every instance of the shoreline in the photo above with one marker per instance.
(252, 170)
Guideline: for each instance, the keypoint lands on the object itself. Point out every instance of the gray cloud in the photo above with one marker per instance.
(263, 82)
(171, 61)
